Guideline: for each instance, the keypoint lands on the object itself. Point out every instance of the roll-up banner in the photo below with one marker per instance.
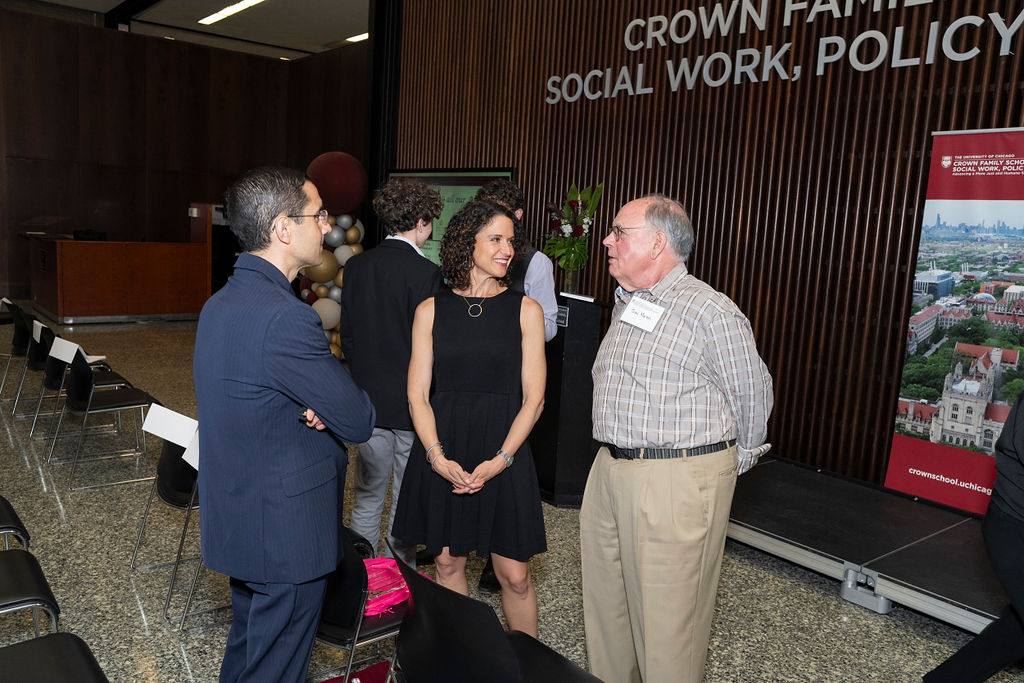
(963, 368)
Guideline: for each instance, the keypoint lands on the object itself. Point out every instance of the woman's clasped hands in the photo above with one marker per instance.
(463, 482)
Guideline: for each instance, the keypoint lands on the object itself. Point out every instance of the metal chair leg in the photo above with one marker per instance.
(78, 450)
(54, 620)
(191, 590)
(3, 382)
(56, 432)
(138, 422)
(145, 516)
(181, 546)
(6, 370)
(39, 404)
(21, 385)
(53, 413)
(392, 676)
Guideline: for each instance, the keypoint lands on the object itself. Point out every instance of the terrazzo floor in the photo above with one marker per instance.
(774, 621)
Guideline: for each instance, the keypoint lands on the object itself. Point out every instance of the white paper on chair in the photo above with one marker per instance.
(64, 350)
(170, 426)
(191, 454)
(37, 328)
(93, 359)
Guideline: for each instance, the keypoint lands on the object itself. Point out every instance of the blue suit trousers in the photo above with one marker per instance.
(272, 631)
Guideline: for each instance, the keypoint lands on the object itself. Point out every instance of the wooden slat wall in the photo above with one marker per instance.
(328, 97)
(806, 195)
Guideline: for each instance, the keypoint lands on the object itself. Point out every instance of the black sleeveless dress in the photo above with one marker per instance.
(476, 394)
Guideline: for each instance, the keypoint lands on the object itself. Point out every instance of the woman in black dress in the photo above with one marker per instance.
(476, 388)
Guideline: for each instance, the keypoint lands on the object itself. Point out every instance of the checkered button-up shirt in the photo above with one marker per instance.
(695, 379)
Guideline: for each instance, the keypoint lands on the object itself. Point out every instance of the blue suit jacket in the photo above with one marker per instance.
(268, 485)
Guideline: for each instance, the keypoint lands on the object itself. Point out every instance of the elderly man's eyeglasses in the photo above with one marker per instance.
(620, 231)
(320, 215)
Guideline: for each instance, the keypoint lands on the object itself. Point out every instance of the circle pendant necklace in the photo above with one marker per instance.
(474, 310)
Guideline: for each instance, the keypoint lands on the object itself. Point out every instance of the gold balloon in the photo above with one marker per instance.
(356, 248)
(336, 338)
(339, 277)
(352, 235)
(336, 350)
(326, 271)
(321, 291)
(332, 220)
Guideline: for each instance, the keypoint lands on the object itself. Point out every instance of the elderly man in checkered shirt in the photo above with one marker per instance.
(681, 404)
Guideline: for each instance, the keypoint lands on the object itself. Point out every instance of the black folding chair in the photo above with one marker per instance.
(62, 352)
(83, 398)
(53, 658)
(344, 623)
(11, 525)
(446, 635)
(19, 339)
(23, 586)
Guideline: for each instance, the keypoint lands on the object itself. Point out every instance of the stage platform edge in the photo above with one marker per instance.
(829, 531)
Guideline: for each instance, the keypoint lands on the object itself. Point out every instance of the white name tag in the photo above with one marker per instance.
(642, 314)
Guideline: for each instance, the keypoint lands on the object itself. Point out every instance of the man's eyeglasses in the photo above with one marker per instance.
(620, 231)
(320, 215)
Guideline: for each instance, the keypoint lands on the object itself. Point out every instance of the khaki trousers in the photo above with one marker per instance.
(652, 534)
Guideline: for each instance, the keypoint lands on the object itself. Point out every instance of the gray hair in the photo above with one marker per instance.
(668, 216)
(253, 202)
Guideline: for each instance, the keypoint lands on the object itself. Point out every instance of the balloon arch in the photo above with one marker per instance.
(341, 181)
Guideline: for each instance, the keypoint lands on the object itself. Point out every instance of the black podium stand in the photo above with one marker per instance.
(561, 441)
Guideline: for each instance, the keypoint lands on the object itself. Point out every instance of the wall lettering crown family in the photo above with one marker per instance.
(956, 41)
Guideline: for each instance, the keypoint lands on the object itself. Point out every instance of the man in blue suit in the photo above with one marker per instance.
(275, 408)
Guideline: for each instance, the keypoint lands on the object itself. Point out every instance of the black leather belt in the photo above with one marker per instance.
(667, 453)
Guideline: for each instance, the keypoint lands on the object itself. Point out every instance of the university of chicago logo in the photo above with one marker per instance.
(947, 161)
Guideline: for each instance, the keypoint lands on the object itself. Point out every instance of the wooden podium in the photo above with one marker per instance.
(561, 441)
(82, 281)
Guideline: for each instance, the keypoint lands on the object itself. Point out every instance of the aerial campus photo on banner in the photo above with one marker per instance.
(963, 368)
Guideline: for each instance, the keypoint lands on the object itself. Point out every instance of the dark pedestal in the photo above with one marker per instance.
(561, 441)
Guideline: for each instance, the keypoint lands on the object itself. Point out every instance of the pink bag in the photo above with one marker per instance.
(386, 585)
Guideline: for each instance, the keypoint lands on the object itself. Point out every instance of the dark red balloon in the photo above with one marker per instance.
(305, 283)
(341, 181)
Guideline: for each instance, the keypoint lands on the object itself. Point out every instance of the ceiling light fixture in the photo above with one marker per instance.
(356, 39)
(228, 11)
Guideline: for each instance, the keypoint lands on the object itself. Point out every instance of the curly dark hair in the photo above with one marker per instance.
(503, 193)
(459, 241)
(401, 202)
(253, 202)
